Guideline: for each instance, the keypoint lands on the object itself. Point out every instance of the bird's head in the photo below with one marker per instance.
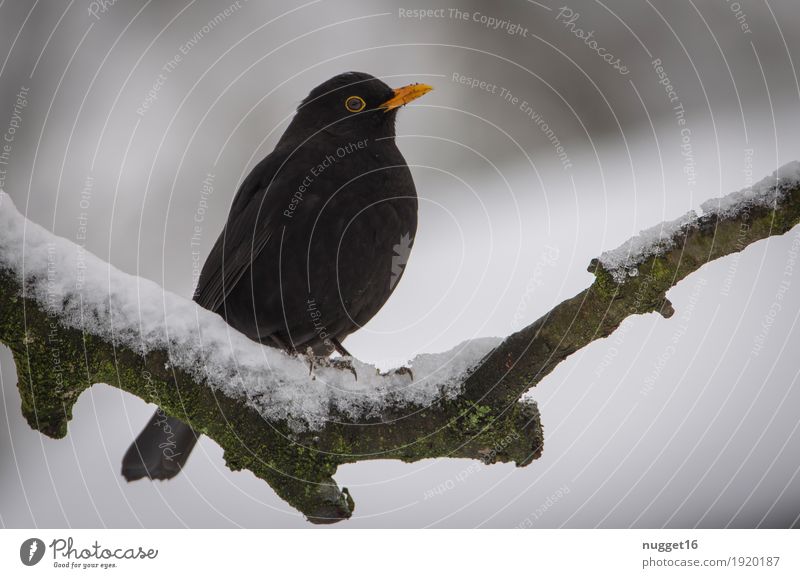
(353, 104)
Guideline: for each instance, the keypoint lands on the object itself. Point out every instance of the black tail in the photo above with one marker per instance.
(161, 449)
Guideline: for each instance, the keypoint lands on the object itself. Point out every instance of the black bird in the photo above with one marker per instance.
(317, 237)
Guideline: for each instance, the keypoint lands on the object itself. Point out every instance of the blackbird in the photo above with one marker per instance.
(317, 237)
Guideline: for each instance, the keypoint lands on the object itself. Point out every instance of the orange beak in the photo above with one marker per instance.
(405, 94)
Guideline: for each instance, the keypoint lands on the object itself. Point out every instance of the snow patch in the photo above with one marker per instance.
(765, 193)
(623, 261)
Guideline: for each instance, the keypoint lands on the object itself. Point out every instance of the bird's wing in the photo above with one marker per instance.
(252, 220)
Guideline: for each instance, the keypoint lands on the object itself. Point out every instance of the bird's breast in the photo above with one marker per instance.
(342, 245)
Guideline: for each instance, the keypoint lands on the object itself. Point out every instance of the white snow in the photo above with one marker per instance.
(86, 293)
(764, 193)
(623, 261)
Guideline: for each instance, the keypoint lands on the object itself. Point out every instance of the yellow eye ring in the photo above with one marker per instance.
(354, 103)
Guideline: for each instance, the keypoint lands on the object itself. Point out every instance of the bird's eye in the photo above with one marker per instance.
(354, 103)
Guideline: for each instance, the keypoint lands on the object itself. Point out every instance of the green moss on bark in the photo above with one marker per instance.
(56, 364)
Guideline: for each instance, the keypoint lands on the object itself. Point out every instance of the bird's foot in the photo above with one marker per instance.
(403, 371)
(342, 363)
(311, 358)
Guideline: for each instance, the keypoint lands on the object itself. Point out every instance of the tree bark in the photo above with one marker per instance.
(486, 422)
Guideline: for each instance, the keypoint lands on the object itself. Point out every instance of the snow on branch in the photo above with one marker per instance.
(90, 295)
(72, 320)
(624, 260)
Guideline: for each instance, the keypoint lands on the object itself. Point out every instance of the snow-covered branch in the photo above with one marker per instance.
(72, 320)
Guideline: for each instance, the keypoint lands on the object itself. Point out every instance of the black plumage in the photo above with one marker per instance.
(316, 238)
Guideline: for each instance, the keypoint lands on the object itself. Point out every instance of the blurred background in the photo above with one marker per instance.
(532, 156)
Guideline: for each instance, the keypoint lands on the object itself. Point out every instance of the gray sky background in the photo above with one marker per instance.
(507, 230)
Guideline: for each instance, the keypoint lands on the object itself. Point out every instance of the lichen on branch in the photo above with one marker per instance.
(292, 428)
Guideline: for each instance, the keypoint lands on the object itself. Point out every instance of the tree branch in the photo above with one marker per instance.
(56, 361)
